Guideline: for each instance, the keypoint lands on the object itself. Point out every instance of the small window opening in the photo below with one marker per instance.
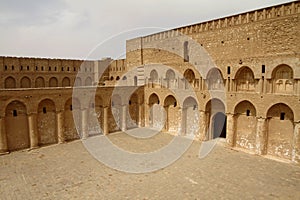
(129, 102)
(15, 113)
(71, 107)
(27, 67)
(36, 68)
(62, 69)
(74, 69)
(175, 103)
(68, 69)
(263, 69)
(228, 70)
(42, 68)
(55, 68)
(194, 107)
(5, 67)
(44, 110)
(12, 68)
(248, 112)
(282, 116)
(49, 68)
(21, 68)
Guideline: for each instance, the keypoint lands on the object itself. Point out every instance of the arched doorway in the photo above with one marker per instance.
(190, 117)
(70, 128)
(39, 82)
(156, 115)
(16, 125)
(46, 122)
(172, 114)
(215, 110)
(88, 81)
(133, 118)
(245, 133)
(280, 131)
(53, 82)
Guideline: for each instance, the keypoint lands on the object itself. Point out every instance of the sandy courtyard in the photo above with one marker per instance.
(69, 171)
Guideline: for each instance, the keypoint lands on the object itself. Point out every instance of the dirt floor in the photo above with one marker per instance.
(69, 171)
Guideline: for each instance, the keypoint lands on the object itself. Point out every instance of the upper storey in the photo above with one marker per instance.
(268, 32)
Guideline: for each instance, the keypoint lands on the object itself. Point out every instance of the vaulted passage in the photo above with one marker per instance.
(172, 114)
(215, 110)
(95, 116)
(157, 114)
(16, 124)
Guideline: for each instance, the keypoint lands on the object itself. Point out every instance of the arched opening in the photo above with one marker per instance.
(53, 82)
(215, 80)
(70, 128)
(172, 114)
(190, 117)
(10, 82)
(154, 76)
(156, 115)
(170, 78)
(215, 110)
(283, 81)
(25, 82)
(46, 122)
(280, 131)
(219, 125)
(189, 78)
(245, 133)
(118, 78)
(77, 82)
(95, 122)
(111, 78)
(115, 113)
(88, 81)
(245, 80)
(133, 118)
(66, 82)
(16, 125)
(39, 82)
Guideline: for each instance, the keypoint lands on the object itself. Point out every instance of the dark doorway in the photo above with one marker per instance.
(219, 125)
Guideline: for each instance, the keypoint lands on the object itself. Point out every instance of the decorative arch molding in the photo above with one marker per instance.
(245, 80)
(283, 79)
(10, 82)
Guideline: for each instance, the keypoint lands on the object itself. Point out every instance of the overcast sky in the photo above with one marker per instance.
(73, 28)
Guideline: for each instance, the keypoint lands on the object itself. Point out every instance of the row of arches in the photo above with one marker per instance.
(282, 80)
(23, 127)
(277, 137)
(40, 82)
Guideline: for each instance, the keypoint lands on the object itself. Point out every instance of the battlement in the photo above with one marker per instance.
(259, 15)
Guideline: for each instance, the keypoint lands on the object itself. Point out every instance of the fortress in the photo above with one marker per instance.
(253, 66)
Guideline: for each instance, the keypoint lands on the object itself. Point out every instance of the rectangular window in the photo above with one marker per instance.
(27, 68)
(282, 116)
(228, 70)
(263, 69)
(5, 67)
(248, 113)
(71, 107)
(44, 110)
(15, 113)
